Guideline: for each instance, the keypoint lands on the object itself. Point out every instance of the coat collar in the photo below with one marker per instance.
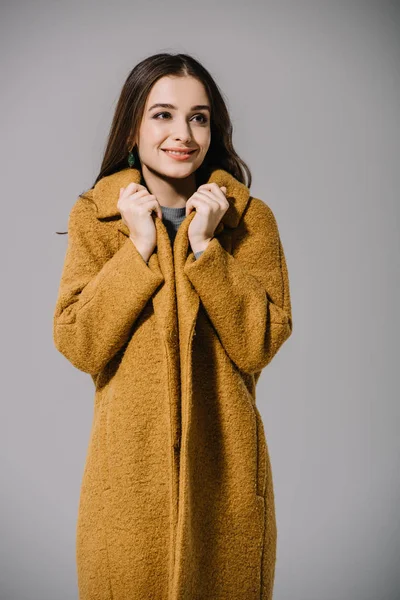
(106, 193)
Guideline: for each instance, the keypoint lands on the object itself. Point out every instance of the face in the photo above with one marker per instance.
(183, 124)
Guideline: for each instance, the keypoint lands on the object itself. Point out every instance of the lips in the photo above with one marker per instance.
(179, 155)
(182, 150)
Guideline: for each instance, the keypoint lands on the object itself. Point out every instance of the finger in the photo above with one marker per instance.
(216, 191)
(158, 210)
(151, 204)
(200, 200)
(193, 202)
(212, 186)
(128, 189)
(210, 198)
(134, 187)
(138, 196)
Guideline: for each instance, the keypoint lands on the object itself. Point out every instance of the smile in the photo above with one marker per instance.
(179, 155)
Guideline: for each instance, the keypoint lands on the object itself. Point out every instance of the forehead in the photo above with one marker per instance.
(183, 92)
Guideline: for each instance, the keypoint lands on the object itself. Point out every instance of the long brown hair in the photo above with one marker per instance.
(129, 112)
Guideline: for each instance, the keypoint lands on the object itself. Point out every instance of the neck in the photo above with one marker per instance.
(170, 192)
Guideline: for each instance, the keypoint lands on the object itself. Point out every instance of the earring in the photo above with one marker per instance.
(131, 159)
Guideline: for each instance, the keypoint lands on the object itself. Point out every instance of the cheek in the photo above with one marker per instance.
(151, 134)
(203, 138)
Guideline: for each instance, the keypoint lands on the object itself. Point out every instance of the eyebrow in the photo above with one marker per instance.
(196, 107)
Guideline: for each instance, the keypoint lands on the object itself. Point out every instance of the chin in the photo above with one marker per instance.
(174, 171)
(179, 171)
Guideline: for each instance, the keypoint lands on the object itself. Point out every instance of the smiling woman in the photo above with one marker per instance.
(174, 296)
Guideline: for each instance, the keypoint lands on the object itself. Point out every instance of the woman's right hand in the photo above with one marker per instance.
(136, 206)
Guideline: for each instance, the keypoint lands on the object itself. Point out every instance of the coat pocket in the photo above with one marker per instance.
(261, 454)
(260, 443)
(102, 441)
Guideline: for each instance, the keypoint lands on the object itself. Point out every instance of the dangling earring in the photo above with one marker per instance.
(131, 159)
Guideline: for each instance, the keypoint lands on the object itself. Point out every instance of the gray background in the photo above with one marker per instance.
(313, 90)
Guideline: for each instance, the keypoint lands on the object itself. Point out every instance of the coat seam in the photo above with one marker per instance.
(187, 387)
(263, 546)
(172, 453)
(107, 550)
(280, 270)
(103, 422)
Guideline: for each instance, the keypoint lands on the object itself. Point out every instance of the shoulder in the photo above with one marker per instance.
(86, 229)
(83, 208)
(258, 217)
(256, 238)
(83, 216)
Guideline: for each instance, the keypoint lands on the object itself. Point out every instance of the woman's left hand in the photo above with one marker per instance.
(211, 204)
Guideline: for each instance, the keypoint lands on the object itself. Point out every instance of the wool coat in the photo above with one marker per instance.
(177, 499)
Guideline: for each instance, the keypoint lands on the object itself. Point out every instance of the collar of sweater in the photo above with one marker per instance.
(106, 193)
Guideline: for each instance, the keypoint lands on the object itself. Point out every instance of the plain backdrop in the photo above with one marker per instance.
(313, 91)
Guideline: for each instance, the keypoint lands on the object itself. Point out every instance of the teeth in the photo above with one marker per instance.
(174, 152)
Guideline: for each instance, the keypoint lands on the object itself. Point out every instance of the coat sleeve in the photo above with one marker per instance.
(100, 295)
(246, 294)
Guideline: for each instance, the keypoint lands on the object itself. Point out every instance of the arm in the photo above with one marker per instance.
(246, 293)
(99, 297)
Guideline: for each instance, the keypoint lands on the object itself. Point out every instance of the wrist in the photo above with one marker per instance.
(144, 250)
(199, 245)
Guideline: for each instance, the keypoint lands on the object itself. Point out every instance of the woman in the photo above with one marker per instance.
(174, 296)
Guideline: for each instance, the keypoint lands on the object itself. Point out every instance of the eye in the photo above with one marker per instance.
(162, 113)
(204, 118)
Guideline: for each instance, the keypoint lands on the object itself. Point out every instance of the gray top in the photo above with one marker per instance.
(172, 218)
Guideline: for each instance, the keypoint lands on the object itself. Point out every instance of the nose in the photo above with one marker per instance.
(183, 133)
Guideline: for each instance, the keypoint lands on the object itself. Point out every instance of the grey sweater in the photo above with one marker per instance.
(172, 218)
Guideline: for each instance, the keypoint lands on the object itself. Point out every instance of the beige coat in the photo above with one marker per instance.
(177, 498)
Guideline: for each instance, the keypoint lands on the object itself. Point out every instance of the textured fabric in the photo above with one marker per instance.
(177, 499)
